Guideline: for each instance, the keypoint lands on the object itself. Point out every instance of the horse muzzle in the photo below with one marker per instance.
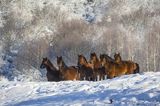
(42, 66)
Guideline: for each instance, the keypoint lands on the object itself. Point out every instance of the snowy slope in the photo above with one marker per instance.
(139, 89)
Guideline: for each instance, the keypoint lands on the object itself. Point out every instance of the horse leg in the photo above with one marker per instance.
(137, 69)
(87, 78)
(100, 77)
(103, 77)
(111, 75)
(96, 76)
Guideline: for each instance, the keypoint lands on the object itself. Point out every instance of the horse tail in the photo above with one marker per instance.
(137, 68)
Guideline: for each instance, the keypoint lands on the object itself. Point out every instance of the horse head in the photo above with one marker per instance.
(117, 57)
(103, 60)
(81, 60)
(44, 63)
(93, 58)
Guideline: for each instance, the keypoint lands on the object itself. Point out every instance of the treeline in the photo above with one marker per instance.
(47, 32)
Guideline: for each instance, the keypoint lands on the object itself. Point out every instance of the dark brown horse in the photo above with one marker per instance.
(112, 68)
(68, 73)
(132, 68)
(85, 69)
(98, 70)
(52, 73)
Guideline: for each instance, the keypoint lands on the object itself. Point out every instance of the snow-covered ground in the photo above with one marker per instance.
(139, 89)
(133, 18)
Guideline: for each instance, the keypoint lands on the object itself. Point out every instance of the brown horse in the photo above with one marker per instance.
(68, 73)
(132, 68)
(52, 73)
(85, 69)
(98, 70)
(111, 67)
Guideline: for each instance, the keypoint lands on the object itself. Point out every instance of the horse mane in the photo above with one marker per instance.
(108, 58)
(85, 59)
(96, 58)
(64, 64)
(120, 58)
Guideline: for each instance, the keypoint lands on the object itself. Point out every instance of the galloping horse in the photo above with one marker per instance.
(112, 68)
(52, 73)
(85, 68)
(98, 70)
(132, 68)
(68, 73)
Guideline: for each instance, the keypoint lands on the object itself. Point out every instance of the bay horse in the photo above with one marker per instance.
(67, 72)
(132, 68)
(52, 73)
(85, 69)
(112, 69)
(98, 70)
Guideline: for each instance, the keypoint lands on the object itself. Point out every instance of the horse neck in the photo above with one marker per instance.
(63, 65)
(109, 58)
(50, 66)
(86, 63)
(118, 59)
(90, 65)
(107, 63)
(97, 62)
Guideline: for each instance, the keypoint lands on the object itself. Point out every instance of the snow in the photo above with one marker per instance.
(140, 89)
(128, 90)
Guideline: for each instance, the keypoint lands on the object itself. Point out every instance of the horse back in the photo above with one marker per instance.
(71, 73)
(132, 67)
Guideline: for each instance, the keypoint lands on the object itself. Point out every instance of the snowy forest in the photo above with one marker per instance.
(33, 29)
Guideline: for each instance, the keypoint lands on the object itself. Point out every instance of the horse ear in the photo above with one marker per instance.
(79, 55)
(118, 53)
(59, 56)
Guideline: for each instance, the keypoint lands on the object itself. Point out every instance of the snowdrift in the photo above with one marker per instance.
(137, 89)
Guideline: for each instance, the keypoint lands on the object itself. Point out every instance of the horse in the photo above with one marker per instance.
(133, 68)
(112, 69)
(98, 70)
(67, 72)
(85, 69)
(52, 73)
